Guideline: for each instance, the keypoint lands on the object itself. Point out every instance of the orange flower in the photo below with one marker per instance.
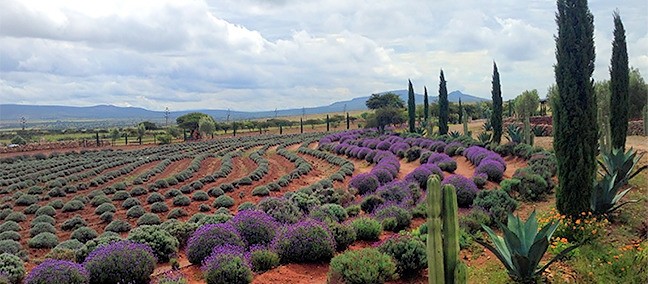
(578, 221)
(594, 232)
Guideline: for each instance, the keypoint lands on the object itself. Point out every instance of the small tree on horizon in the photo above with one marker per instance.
(443, 105)
(619, 85)
(426, 104)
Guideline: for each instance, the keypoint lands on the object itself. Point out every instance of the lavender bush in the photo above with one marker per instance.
(205, 238)
(364, 183)
(255, 227)
(466, 189)
(120, 262)
(227, 264)
(492, 168)
(305, 241)
(58, 271)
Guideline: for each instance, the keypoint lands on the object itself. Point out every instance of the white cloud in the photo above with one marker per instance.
(262, 55)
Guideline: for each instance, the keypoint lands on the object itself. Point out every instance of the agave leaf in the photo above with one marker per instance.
(536, 252)
(530, 231)
(524, 268)
(500, 250)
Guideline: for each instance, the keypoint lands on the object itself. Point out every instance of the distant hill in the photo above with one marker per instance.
(13, 112)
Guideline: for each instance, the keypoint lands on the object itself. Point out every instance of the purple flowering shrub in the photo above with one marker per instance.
(227, 264)
(120, 262)
(398, 147)
(305, 241)
(480, 180)
(393, 218)
(280, 209)
(58, 271)
(364, 183)
(493, 169)
(205, 238)
(437, 146)
(382, 174)
(255, 227)
(466, 189)
(451, 148)
(397, 192)
(383, 145)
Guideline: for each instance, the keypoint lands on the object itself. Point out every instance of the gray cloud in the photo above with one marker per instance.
(262, 55)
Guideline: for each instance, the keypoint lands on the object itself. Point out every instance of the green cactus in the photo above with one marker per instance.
(605, 137)
(444, 265)
(527, 131)
(465, 123)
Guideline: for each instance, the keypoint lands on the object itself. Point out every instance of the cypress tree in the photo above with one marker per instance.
(510, 108)
(460, 111)
(328, 125)
(348, 121)
(443, 105)
(301, 125)
(496, 116)
(411, 108)
(619, 84)
(426, 104)
(574, 116)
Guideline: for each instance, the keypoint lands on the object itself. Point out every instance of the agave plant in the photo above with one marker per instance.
(522, 247)
(539, 130)
(617, 169)
(484, 137)
(454, 134)
(514, 133)
(487, 126)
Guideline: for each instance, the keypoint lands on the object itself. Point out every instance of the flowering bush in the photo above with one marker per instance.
(362, 266)
(329, 212)
(364, 183)
(398, 192)
(382, 174)
(58, 271)
(120, 262)
(451, 148)
(205, 238)
(480, 180)
(227, 264)
(466, 189)
(409, 253)
(281, 209)
(585, 227)
(493, 169)
(419, 176)
(371, 202)
(255, 227)
(305, 241)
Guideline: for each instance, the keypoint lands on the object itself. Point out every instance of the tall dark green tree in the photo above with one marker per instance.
(496, 116)
(443, 105)
(619, 84)
(411, 108)
(426, 104)
(574, 111)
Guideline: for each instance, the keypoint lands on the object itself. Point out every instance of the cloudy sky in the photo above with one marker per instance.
(267, 54)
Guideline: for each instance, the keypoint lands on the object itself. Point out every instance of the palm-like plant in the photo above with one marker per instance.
(454, 134)
(484, 137)
(514, 133)
(621, 164)
(522, 247)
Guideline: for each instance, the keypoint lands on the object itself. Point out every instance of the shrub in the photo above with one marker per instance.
(532, 187)
(247, 205)
(58, 271)
(181, 200)
(172, 193)
(263, 259)
(43, 240)
(120, 262)
(73, 205)
(493, 169)
(305, 241)
(9, 246)
(70, 244)
(105, 207)
(159, 207)
(448, 166)
(163, 244)
(280, 209)
(98, 200)
(107, 217)
(179, 230)
(215, 192)
(58, 253)
(227, 264)
(362, 266)
(31, 209)
(120, 195)
(154, 197)
(41, 228)
(16, 217)
(138, 191)
(329, 212)
(255, 227)
(46, 210)
(223, 201)
(412, 154)
(10, 226)
(9, 235)
(366, 228)
(73, 223)
(90, 246)
(353, 210)
(466, 189)
(204, 208)
(26, 200)
(480, 180)
(401, 216)
(364, 183)
(205, 238)
(118, 226)
(200, 196)
(57, 204)
(409, 253)
(344, 235)
(177, 213)
(261, 191)
(497, 203)
(472, 222)
(130, 202)
(135, 212)
(149, 219)
(84, 234)
(370, 203)
(12, 267)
